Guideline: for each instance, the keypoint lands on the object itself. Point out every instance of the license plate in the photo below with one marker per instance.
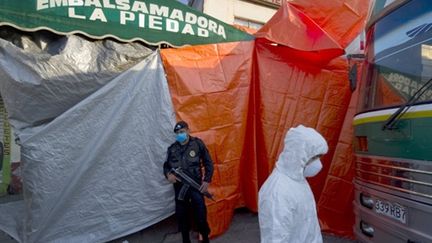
(392, 210)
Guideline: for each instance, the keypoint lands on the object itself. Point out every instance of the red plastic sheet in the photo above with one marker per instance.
(335, 208)
(241, 98)
(318, 32)
(319, 28)
(210, 87)
(293, 28)
(290, 93)
(243, 116)
(340, 19)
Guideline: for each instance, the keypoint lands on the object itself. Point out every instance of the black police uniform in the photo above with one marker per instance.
(190, 157)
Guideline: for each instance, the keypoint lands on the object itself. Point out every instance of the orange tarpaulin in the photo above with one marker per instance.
(340, 19)
(293, 28)
(290, 94)
(320, 29)
(325, 26)
(210, 87)
(335, 208)
(243, 117)
(242, 97)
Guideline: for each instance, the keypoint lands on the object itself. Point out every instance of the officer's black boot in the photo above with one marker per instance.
(186, 237)
(205, 239)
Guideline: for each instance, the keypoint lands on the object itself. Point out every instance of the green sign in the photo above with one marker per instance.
(151, 21)
(5, 140)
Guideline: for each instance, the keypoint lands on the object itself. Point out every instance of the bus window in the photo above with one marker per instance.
(399, 58)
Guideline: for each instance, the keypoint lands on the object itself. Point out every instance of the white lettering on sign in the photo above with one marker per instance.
(155, 22)
(212, 26)
(75, 3)
(203, 32)
(172, 25)
(72, 14)
(221, 31)
(42, 4)
(107, 4)
(98, 14)
(126, 16)
(141, 20)
(123, 5)
(139, 7)
(202, 22)
(94, 3)
(177, 14)
(188, 30)
(58, 3)
(190, 18)
(159, 10)
(139, 13)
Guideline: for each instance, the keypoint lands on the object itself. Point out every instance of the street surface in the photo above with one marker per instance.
(243, 229)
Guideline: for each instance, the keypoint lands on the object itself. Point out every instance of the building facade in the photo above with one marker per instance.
(249, 13)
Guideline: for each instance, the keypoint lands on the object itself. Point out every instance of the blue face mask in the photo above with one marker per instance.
(181, 137)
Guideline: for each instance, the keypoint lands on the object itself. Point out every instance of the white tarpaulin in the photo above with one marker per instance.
(93, 172)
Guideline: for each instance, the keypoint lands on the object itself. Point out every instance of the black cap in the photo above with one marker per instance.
(180, 125)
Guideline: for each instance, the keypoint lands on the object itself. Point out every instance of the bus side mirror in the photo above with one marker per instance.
(353, 62)
(353, 77)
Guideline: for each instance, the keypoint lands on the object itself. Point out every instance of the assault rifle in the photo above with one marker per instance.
(188, 182)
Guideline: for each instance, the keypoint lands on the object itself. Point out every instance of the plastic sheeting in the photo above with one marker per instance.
(296, 89)
(319, 30)
(242, 117)
(305, 34)
(290, 94)
(93, 173)
(211, 90)
(287, 86)
(340, 19)
(49, 74)
(335, 203)
(294, 82)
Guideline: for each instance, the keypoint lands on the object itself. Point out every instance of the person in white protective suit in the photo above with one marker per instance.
(286, 210)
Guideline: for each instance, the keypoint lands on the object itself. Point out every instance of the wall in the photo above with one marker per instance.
(228, 10)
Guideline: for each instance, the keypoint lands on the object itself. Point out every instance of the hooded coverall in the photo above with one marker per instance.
(286, 210)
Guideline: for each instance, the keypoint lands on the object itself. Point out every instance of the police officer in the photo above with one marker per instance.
(190, 154)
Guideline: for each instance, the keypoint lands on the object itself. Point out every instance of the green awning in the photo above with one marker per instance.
(152, 21)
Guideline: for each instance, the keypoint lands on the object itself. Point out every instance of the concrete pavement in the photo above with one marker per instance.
(243, 229)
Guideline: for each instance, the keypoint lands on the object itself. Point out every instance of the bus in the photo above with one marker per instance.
(393, 126)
